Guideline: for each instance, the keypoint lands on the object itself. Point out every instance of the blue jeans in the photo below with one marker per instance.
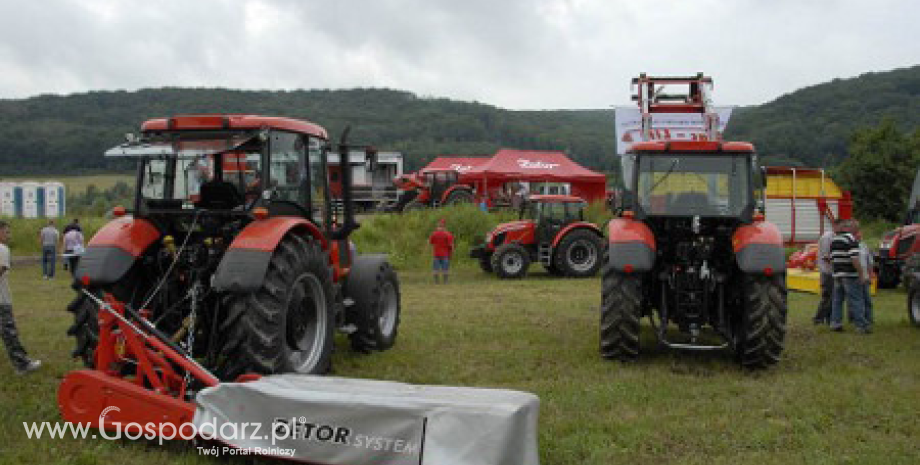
(441, 264)
(867, 303)
(852, 290)
(49, 254)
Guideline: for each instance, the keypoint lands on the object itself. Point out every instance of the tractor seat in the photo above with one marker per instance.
(219, 195)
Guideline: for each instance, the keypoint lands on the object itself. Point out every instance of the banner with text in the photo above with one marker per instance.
(665, 126)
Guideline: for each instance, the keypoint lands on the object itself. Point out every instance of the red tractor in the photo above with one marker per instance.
(551, 230)
(898, 245)
(432, 189)
(690, 247)
(233, 250)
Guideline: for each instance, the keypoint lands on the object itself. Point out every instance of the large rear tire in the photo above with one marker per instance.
(510, 261)
(621, 309)
(374, 287)
(459, 196)
(414, 205)
(85, 327)
(913, 304)
(579, 254)
(761, 337)
(287, 324)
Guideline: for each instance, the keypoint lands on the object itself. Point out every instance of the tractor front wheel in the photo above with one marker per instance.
(621, 309)
(287, 324)
(510, 261)
(373, 285)
(760, 338)
(579, 254)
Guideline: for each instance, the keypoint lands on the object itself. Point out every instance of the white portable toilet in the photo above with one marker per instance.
(7, 200)
(54, 199)
(30, 199)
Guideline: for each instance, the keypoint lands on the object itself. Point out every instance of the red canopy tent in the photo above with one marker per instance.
(508, 165)
(459, 164)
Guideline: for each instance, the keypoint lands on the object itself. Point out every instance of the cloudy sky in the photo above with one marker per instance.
(518, 54)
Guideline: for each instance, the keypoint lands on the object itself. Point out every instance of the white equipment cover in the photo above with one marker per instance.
(665, 126)
(343, 421)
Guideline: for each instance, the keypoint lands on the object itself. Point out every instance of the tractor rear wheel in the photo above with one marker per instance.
(459, 196)
(287, 324)
(510, 261)
(414, 205)
(913, 304)
(579, 254)
(85, 327)
(760, 338)
(621, 309)
(373, 285)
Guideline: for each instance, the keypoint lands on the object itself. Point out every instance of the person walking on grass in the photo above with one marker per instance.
(49, 238)
(849, 279)
(73, 248)
(442, 247)
(18, 356)
(826, 269)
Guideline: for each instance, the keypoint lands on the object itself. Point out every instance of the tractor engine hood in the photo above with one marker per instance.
(512, 226)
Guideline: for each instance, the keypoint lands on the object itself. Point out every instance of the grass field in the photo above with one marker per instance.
(834, 398)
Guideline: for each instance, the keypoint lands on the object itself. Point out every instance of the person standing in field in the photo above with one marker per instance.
(826, 269)
(49, 237)
(442, 247)
(849, 278)
(868, 264)
(73, 248)
(18, 356)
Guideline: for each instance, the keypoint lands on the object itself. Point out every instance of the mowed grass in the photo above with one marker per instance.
(834, 398)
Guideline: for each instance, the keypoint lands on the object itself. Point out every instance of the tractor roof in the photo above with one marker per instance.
(232, 121)
(555, 198)
(680, 146)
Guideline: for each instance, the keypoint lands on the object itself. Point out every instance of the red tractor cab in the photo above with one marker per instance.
(432, 189)
(552, 231)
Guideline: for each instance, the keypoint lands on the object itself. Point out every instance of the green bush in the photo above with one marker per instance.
(405, 236)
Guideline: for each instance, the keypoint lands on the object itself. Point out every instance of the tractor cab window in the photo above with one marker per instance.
(288, 172)
(186, 174)
(678, 185)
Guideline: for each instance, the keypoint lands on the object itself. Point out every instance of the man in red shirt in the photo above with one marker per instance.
(442, 247)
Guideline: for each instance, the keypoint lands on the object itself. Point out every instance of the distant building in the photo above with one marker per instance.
(30, 199)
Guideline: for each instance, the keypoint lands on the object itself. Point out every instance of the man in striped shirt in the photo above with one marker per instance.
(849, 278)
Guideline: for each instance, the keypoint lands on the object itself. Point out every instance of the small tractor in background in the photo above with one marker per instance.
(235, 251)
(690, 245)
(431, 189)
(898, 245)
(551, 231)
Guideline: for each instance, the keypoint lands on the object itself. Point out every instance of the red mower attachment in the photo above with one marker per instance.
(138, 370)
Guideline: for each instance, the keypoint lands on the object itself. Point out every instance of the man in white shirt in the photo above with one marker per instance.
(18, 356)
(823, 315)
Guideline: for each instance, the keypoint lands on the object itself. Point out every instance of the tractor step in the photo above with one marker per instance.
(545, 253)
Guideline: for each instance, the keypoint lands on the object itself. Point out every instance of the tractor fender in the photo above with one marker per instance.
(454, 188)
(114, 249)
(576, 225)
(758, 247)
(243, 267)
(631, 245)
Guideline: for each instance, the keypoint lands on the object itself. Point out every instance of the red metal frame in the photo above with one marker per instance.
(154, 394)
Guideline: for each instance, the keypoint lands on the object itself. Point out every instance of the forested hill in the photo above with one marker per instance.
(67, 134)
(814, 124)
(53, 134)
